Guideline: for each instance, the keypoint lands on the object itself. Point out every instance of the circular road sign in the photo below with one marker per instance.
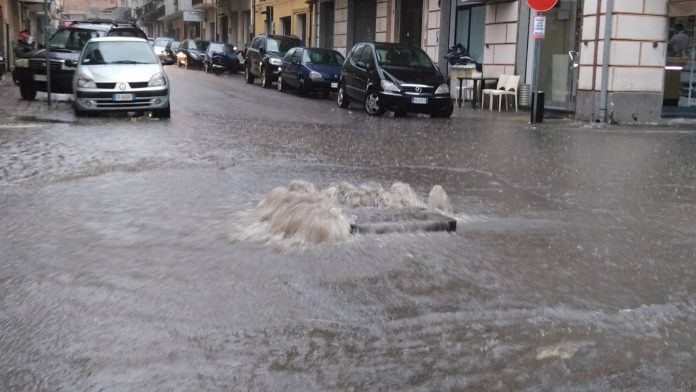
(541, 5)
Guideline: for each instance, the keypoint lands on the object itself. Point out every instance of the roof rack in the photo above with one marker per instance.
(104, 21)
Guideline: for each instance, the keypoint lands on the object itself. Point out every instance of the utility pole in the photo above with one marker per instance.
(47, 50)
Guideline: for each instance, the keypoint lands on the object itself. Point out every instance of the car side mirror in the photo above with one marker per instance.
(70, 63)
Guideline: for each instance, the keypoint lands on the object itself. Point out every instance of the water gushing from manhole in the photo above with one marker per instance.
(301, 214)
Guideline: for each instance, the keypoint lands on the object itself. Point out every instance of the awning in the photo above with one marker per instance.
(682, 8)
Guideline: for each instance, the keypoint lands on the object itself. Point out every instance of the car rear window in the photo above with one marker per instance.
(118, 52)
(73, 39)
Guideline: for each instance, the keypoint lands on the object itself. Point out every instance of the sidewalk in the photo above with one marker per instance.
(14, 109)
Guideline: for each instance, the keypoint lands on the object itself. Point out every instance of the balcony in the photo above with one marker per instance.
(202, 4)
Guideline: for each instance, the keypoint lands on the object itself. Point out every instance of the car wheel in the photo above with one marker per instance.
(444, 113)
(28, 91)
(281, 84)
(341, 98)
(162, 113)
(372, 105)
(266, 78)
(248, 77)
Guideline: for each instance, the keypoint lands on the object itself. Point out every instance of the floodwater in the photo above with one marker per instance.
(123, 268)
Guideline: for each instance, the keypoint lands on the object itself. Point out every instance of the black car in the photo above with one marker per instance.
(65, 44)
(169, 51)
(191, 53)
(311, 69)
(265, 56)
(221, 57)
(386, 76)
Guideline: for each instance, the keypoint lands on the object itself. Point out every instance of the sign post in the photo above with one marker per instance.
(538, 34)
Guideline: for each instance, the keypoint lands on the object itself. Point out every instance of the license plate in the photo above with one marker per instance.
(419, 101)
(123, 97)
(40, 78)
(334, 85)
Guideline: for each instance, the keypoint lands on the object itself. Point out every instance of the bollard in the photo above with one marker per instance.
(537, 107)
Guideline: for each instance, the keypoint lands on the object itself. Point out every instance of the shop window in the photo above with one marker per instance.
(470, 28)
(680, 68)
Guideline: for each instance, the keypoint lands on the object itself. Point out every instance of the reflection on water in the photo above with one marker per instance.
(301, 214)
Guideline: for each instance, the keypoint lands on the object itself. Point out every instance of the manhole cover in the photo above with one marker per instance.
(397, 220)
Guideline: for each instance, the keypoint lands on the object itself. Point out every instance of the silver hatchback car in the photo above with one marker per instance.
(120, 74)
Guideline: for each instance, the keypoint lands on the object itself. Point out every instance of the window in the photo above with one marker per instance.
(288, 55)
(73, 38)
(319, 56)
(366, 56)
(355, 54)
(281, 45)
(402, 56)
(680, 68)
(98, 53)
(296, 56)
(256, 44)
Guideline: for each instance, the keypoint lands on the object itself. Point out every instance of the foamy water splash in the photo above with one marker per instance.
(301, 214)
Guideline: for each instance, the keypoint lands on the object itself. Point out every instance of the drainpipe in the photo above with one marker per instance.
(604, 95)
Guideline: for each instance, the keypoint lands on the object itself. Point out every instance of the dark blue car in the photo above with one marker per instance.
(311, 70)
(222, 57)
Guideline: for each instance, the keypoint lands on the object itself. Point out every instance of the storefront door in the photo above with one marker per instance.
(411, 22)
(558, 67)
(680, 67)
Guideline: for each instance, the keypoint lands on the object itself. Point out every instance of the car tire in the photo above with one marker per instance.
(281, 84)
(341, 98)
(372, 105)
(266, 78)
(28, 91)
(445, 113)
(248, 77)
(162, 113)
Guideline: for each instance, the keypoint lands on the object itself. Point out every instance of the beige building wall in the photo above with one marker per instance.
(500, 41)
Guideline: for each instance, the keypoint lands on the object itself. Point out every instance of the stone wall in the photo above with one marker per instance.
(500, 39)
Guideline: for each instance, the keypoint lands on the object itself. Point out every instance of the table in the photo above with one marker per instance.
(477, 94)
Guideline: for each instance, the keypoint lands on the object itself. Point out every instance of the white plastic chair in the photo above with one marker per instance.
(497, 92)
(511, 88)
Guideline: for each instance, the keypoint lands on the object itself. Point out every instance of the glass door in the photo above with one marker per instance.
(559, 59)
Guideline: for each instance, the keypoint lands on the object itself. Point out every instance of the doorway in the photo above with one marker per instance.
(224, 29)
(364, 15)
(559, 58)
(326, 24)
(411, 22)
(300, 26)
(285, 24)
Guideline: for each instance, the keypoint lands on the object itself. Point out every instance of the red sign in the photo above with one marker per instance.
(541, 5)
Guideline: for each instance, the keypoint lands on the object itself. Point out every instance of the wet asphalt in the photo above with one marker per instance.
(572, 268)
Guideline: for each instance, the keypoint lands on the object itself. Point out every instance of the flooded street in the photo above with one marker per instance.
(123, 268)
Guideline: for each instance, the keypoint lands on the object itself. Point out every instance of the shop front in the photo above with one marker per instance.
(680, 66)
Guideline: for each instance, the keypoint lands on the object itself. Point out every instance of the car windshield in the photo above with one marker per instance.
(322, 56)
(161, 41)
(118, 52)
(402, 56)
(74, 39)
(220, 48)
(199, 45)
(281, 45)
(174, 45)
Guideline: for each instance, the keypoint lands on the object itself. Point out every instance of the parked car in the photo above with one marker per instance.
(191, 53)
(170, 50)
(159, 45)
(386, 76)
(119, 74)
(221, 57)
(264, 57)
(65, 44)
(311, 69)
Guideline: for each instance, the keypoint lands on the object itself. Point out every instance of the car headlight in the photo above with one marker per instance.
(157, 80)
(314, 75)
(85, 81)
(275, 61)
(64, 67)
(442, 89)
(234, 48)
(390, 86)
(23, 63)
